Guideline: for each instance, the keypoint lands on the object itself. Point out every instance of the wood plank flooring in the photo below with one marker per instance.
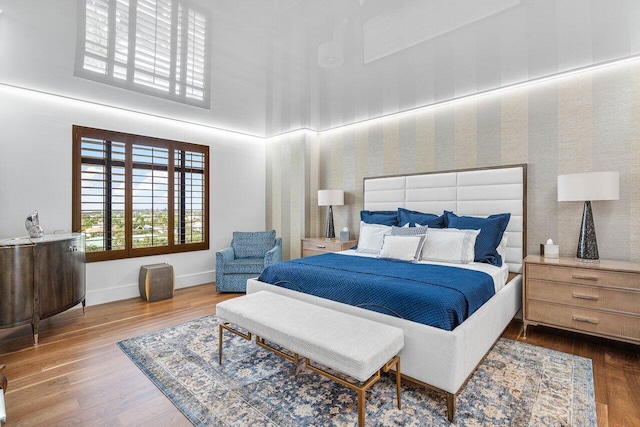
(78, 376)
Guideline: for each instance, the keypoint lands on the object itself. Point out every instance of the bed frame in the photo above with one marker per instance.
(439, 359)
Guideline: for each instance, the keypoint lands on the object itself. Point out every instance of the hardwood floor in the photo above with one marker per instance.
(78, 376)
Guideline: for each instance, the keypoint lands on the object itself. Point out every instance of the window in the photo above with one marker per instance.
(138, 196)
(152, 46)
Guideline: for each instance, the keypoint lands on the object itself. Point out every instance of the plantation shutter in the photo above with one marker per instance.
(103, 193)
(189, 196)
(150, 197)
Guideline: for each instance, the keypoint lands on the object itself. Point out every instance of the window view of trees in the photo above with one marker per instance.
(122, 200)
(149, 228)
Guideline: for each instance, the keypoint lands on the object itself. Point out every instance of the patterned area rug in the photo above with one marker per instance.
(517, 385)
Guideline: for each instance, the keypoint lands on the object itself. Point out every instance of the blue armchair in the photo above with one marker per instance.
(249, 254)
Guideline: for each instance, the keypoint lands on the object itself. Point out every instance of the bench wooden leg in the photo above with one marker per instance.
(226, 326)
(451, 406)
(220, 332)
(290, 357)
(387, 367)
(361, 401)
(399, 384)
(361, 390)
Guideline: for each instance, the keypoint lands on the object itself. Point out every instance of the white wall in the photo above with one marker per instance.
(35, 173)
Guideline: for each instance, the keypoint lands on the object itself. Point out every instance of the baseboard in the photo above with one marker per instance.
(131, 290)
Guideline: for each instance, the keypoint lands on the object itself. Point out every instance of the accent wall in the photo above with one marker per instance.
(585, 121)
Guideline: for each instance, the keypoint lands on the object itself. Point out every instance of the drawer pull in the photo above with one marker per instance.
(583, 277)
(321, 246)
(589, 297)
(585, 320)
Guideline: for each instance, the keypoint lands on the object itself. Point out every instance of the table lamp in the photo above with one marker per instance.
(588, 187)
(330, 198)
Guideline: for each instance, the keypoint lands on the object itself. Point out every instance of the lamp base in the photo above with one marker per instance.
(587, 261)
(587, 243)
(330, 232)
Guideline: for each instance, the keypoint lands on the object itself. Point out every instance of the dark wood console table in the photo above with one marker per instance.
(40, 277)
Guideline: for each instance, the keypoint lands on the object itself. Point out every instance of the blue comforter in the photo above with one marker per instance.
(434, 295)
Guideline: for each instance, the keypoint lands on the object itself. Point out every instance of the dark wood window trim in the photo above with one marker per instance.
(182, 176)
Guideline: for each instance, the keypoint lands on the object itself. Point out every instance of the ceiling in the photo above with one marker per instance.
(396, 55)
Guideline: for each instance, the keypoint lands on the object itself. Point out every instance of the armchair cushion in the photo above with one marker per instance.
(245, 265)
(253, 244)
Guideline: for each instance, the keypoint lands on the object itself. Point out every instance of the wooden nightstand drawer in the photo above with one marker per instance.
(592, 321)
(600, 298)
(585, 276)
(593, 297)
(320, 245)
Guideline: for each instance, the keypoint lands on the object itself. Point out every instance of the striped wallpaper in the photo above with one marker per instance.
(586, 121)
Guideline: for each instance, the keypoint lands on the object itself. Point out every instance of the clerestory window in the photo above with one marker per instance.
(158, 47)
(138, 196)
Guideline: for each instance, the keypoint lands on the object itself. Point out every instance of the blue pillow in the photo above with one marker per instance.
(405, 216)
(379, 217)
(491, 231)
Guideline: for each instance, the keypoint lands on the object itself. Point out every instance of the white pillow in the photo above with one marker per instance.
(371, 237)
(402, 248)
(502, 247)
(450, 245)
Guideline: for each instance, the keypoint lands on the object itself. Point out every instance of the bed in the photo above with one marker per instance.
(437, 358)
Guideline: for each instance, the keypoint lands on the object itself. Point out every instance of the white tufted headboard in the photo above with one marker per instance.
(470, 192)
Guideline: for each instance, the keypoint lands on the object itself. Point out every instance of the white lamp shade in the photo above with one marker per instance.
(330, 197)
(589, 186)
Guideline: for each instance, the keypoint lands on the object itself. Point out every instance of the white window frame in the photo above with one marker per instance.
(185, 75)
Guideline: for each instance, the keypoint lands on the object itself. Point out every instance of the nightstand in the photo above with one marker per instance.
(321, 245)
(600, 298)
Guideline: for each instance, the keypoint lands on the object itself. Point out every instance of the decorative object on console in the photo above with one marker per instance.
(32, 224)
(588, 187)
(330, 198)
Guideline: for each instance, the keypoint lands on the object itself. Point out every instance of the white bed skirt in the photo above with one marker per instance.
(442, 359)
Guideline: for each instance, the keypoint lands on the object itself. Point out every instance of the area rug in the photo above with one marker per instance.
(516, 385)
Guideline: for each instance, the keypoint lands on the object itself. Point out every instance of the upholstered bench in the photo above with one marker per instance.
(357, 347)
